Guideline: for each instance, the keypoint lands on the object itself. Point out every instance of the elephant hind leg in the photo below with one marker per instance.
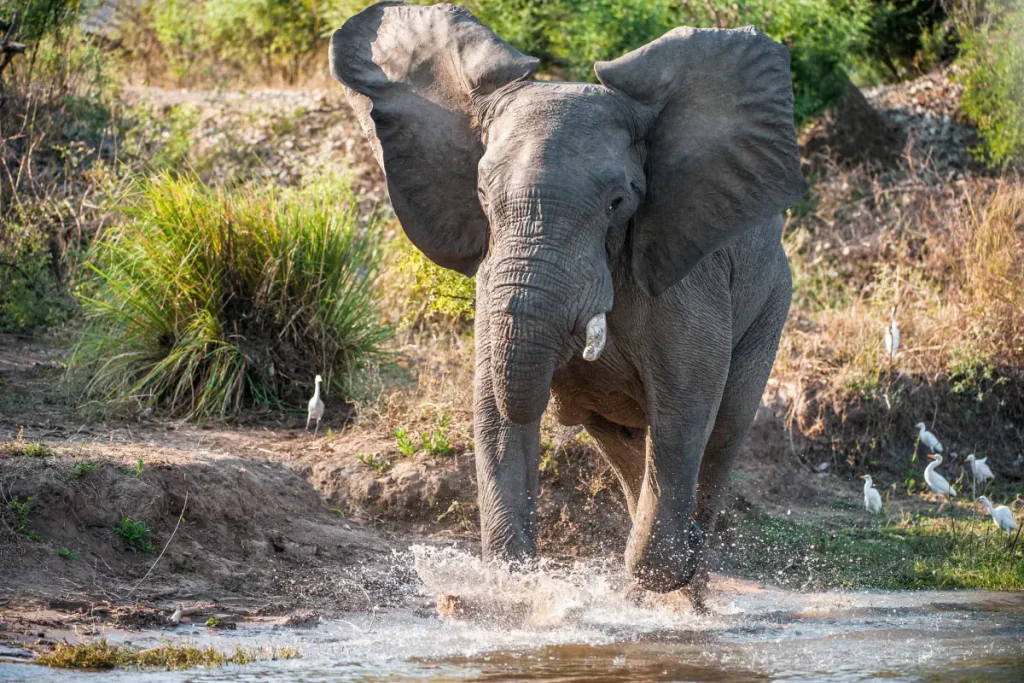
(625, 449)
(749, 368)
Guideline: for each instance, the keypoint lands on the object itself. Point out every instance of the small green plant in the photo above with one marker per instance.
(18, 514)
(436, 441)
(375, 463)
(135, 534)
(136, 470)
(405, 444)
(549, 458)
(213, 622)
(80, 470)
(69, 553)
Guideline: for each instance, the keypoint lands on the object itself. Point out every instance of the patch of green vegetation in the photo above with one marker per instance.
(436, 441)
(444, 294)
(80, 470)
(102, 655)
(69, 553)
(992, 72)
(136, 470)
(197, 294)
(29, 450)
(971, 374)
(549, 458)
(136, 535)
(18, 515)
(406, 445)
(374, 462)
(920, 552)
(212, 622)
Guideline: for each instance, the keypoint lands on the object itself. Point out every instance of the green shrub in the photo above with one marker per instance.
(206, 302)
(992, 72)
(283, 37)
(442, 293)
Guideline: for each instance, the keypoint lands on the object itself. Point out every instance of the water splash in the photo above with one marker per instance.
(593, 595)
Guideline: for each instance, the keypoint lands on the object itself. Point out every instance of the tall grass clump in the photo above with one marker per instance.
(206, 302)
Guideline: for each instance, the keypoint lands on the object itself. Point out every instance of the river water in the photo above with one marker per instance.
(578, 623)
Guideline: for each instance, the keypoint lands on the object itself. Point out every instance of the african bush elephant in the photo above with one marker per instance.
(626, 240)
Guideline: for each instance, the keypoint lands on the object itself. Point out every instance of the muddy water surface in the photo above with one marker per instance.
(578, 623)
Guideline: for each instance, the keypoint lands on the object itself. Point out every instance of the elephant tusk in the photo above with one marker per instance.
(597, 334)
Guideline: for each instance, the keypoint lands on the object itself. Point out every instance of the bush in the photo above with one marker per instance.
(284, 36)
(442, 293)
(206, 302)
(54, 117)
(992, 71)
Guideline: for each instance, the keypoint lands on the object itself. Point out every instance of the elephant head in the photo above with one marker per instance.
(687, 143)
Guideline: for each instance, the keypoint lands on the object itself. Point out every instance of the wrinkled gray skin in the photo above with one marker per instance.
(654, 197)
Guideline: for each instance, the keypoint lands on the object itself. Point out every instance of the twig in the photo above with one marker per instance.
(153, 566)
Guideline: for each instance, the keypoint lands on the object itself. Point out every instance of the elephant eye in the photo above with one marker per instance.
(616, 203)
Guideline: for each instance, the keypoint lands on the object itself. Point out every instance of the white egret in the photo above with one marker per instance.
(936, 482)
(892, 337)
(872, 499)
(980, 469)
(930, 441)
(315, 410)
(1001, 515)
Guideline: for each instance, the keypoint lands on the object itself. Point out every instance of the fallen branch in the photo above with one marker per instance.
(153, 566)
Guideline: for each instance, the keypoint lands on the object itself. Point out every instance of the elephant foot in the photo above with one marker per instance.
(661, 569)
(698, 590)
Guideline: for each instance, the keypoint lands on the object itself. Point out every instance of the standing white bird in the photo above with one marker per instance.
(936, 482)
(1002, 515)
(872, 499)
(930, 441)
(315, 410)
(892, 337)
(980, 469)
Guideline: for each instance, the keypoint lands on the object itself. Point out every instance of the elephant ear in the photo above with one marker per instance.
(722, 151)
(411, 74)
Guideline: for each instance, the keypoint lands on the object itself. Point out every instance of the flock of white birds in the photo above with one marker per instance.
(981, 473)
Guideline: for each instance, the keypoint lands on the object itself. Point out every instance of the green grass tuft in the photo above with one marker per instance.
(375, 463)
(80, 470)
(69, 553)
(135, 534)
(208, 302)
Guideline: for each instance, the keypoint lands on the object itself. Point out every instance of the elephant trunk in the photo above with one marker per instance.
(527, 325)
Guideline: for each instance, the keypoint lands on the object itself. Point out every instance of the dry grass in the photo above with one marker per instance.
(949, 253)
